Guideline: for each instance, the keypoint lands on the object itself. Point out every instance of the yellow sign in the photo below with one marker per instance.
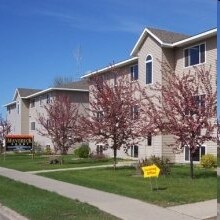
(151, 171)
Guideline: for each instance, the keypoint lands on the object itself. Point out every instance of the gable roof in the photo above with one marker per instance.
(167, 37)
(170, 39)
(82, 84)
(23, 92)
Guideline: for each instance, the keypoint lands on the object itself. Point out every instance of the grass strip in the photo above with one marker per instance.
(24, 162)
(176, 189)
(38, 204)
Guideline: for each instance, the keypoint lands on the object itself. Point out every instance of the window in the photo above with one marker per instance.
(200, 151)
(48, 98)
(18, 107)
(149, 69)
(134, 112)
(200, 101)
(100, 115)
(194, 55)
(32, 126)
(197, 105)
(32, 103)
(149, 139)
(134, 72)
(41, 100)
(134, 151)
(9, 109)
(115, 79)
(99, 149)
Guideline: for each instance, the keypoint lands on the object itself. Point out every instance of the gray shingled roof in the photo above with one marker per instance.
(82, 84)
(23, 92)
(168, 36)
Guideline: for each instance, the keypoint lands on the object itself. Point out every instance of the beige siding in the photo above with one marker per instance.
(175, 58)
(24, 116)
(80, 98)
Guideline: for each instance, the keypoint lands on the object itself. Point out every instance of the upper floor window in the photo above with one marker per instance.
(197, 105)
(100, 115)
(48, 98)
(9, 109)
(194, 55)
(32, 126)
(18, 107)
(149, 69)
(115, 79)
(134, 72)
(134, 112)
(32, 103)
(41, 100)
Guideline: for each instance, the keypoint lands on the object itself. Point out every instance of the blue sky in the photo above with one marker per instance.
(40, 39)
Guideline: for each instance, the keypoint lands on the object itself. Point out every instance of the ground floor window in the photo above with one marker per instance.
(134, 151)
(200, 151)
(99, 149)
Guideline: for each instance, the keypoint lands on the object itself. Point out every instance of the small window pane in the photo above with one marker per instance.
(149, 140)
(186, 54)
(187, 153)
(149, 58)
(194, 55)
(149, 73)
(135, 151)
(136, 72)
(32, 126)
(196, 155)
(202, 53)
(132, 71)
(202, 151)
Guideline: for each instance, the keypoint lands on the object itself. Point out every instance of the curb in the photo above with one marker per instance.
(11, 214)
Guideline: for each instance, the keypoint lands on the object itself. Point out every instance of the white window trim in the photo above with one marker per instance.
(148, 61)
(194, 45)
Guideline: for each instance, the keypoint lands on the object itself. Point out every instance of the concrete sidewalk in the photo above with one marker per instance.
(120, 206)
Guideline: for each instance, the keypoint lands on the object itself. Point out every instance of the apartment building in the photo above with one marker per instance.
(181, 52)
(22, 112)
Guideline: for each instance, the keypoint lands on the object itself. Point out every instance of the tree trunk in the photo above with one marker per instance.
(115, 157)
(191, 165)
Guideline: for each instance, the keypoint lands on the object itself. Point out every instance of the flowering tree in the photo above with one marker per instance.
(60, 123)
(218, 133)
(5, 128)
(184, 105)
(113, 110)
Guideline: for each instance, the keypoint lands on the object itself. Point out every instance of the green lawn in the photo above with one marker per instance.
(218, 161)
(175, 189)
(218, 189)
(24, 162)
(40, 204)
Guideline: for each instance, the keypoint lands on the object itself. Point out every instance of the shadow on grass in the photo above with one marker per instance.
(159, 188)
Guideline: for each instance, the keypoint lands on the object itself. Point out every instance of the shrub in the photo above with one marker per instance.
(96, 156)
(83, 151)
(163, 164)
(208, 161)
(48, 150)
